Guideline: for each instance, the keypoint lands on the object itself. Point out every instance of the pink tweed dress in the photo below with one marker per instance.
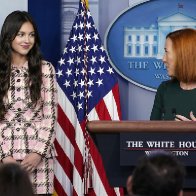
(27, 129)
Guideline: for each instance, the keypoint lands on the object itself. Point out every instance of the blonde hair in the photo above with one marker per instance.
(183, 42)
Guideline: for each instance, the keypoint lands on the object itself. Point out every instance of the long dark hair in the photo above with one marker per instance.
(10, 28)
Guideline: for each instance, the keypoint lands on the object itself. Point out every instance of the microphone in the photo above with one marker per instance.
(163, 114)
(174, 112)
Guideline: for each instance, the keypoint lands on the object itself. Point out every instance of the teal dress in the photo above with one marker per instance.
(171, 99)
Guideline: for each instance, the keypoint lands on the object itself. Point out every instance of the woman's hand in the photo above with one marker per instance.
(193, 118)
(9, 159)
(31, 161)
(182, 118)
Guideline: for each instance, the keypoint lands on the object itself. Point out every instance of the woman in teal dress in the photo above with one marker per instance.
(176, 99)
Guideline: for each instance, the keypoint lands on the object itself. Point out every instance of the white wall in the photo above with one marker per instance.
(7, 6)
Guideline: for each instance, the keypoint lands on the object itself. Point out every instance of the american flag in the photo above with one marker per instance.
(87, 89)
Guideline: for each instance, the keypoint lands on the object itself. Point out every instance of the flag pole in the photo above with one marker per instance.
(86, 2)
(87, 164)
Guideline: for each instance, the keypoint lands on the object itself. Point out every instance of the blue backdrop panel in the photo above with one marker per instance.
(47, 15)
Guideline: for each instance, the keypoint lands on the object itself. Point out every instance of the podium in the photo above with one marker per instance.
(121, 144)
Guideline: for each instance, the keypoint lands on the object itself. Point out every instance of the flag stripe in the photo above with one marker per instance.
(116, 94)
(64, 161)
(93, 115)
(111, 105)
(65, 144)
(66, 125)
(61, 181)
(102, 111)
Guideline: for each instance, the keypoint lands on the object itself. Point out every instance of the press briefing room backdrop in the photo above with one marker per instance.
(54, 20)
(133, 32)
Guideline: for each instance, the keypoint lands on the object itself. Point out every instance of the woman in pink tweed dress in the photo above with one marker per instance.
(27, 102)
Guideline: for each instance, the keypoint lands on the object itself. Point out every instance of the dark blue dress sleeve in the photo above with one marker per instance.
(157, 112)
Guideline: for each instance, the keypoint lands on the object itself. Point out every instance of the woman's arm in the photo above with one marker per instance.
(157, 112)
(46, 134)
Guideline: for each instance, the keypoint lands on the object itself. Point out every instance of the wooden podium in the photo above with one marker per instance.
(107, 137)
